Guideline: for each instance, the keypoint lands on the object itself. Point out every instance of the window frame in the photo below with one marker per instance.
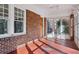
(5, 18)
(24, 22)
(17, 16)
(10, 27)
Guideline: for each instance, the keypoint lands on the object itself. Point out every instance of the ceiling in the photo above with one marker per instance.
(58, 10)
(51, 10)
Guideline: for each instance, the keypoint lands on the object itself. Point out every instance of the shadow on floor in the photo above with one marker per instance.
(29, 49)
(67, 43)
(38, 48)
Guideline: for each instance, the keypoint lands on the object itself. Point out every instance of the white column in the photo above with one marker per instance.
(11, 19)
(61, 26)
(43, 27)
(46, 26)
(61, 29)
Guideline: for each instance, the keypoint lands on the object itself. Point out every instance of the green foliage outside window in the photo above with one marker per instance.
(65, 28)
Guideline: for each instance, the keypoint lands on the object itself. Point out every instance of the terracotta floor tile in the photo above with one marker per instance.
(63, 48)
(44, 46)
(38, 51)
(32, 46)
(50, 50)
(22, 50)
(38, 42)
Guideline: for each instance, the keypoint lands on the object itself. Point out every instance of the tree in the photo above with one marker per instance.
(65, 27)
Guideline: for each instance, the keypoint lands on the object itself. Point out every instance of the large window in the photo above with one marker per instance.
(49, 28)
(3, 18)
(18, 20)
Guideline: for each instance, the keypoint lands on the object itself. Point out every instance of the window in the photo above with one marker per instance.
(3, 18)
(18, 20)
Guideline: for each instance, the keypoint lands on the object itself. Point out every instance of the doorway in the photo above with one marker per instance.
(62, 29)
(57, 29)
(50, 29)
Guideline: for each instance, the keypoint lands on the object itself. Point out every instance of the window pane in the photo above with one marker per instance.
(15, 18)
(5, 5)
(23, 13)
(1, 5)
(15, 14)
(1, 9)
(19, 14)
(21, 18)
(1, 14)
(18, 26)
(3, 26)
(5, 15)
(15, 9)
(19, 11)
(5, 11)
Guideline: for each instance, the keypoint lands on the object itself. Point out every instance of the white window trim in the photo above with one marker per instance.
(6, 34)
(10, 31)
(24, 24)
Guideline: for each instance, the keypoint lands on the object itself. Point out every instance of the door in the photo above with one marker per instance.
(50, 29)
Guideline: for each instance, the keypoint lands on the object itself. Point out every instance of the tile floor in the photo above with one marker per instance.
(44, 46)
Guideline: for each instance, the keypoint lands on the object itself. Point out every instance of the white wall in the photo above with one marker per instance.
(76, 35)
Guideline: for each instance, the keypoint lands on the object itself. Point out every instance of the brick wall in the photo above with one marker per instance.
(34, 24)
(10, 43)
(34, 30)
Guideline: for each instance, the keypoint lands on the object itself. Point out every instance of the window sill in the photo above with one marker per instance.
(4, 35)
(11, 35)
(17, 34)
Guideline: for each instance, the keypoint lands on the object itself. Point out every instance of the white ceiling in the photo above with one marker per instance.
(58, 10)
(51, 10)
